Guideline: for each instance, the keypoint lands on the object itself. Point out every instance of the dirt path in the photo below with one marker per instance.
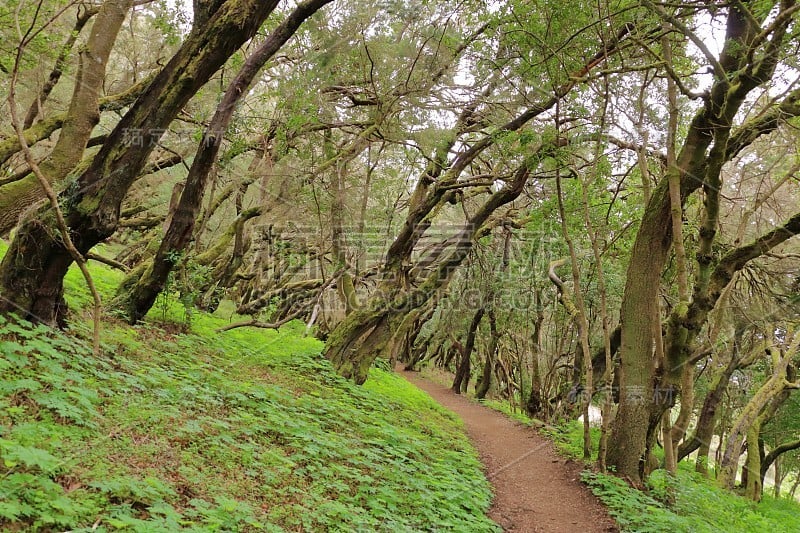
(535, 489)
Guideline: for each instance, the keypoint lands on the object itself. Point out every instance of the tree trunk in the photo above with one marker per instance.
(225, 275)
(178, 235)
(345, 287)
(779, 475)
(704, 430)
(482, 387)
(678, 430)
(751, 414)
(533, 404)
(348, 348)
(416, 354)
(754, 483)
(696, 165)
(406, 349)
(461, 380)
(485, 379)
(578, 313)
(450, 354)
(639, 316)
(463, 371)
(670, 464)
(81, 118)
(796, 484)
(32, 271)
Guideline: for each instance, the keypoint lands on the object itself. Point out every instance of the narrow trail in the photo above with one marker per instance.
(535, 489)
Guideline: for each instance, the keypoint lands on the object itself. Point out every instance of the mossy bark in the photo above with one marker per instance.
(348, 348)
(91, 205)
(534, 403)
(18, 196)
(750, 416)
(485, 382)
(461, 380)
(709, 144)
(628, 447)
(182, 221)
(753, 486)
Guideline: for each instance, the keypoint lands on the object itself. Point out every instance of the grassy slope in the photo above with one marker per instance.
(246, 430)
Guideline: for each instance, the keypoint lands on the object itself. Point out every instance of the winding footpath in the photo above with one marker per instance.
(535, 490)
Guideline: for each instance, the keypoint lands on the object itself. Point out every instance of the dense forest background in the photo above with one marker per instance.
(575, 207)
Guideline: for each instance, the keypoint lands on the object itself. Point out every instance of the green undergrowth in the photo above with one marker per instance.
(246, 430)
(512, 412)
(568, 439)
(696, 506)
(686, 503)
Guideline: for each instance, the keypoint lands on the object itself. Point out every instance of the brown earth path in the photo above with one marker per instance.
(535, 490)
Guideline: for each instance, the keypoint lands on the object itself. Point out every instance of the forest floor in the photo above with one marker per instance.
(535, 490)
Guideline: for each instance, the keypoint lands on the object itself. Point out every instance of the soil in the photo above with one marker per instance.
(535, 490)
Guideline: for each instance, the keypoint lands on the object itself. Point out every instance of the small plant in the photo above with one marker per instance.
(687, 502)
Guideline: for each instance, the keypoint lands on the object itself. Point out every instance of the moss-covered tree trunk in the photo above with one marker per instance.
(138, 301)
(750, 415)
(364, 334)
(461, 379)
(640, 316)
(348, 348)
(647, 381)
(81, 117)
(534, 403)
(33, 269)
(485, 382)
(754, 487)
